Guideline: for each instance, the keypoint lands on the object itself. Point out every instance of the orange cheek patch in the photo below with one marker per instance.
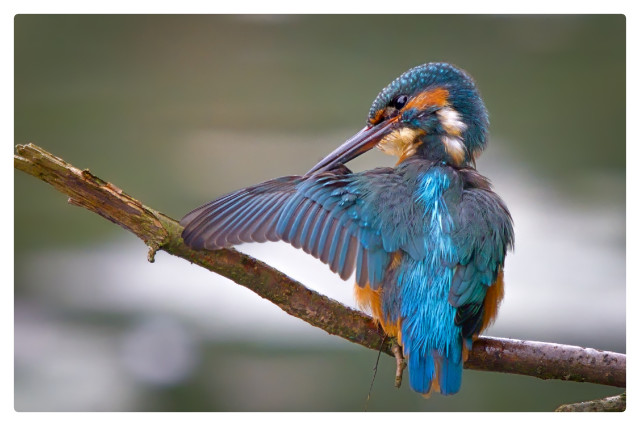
(426, 99)
(378, 117)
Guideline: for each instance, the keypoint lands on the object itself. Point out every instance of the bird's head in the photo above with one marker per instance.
(433, 111)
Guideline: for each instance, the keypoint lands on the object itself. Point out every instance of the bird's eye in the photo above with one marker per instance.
(399, 101)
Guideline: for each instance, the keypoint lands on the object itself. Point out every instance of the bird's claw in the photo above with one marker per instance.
(400, 362)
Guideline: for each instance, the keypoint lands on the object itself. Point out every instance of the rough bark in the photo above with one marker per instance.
(612, 403)
(160, 232)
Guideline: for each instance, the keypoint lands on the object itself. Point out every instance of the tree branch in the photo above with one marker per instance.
(158, 231)
(612, 403)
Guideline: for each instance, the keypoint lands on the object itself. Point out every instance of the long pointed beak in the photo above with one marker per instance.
(358, 144)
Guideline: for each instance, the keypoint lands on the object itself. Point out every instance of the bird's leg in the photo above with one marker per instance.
(400, 362)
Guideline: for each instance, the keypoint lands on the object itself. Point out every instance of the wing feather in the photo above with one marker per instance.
(483, 231)
(327, 215)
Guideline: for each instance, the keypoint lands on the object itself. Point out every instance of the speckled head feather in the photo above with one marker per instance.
(463, 97)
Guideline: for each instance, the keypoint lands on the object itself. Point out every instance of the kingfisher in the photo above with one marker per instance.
(427, 238)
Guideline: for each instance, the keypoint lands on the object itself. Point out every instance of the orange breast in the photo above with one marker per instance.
(492, 300)
(371, 300)
(494, 296)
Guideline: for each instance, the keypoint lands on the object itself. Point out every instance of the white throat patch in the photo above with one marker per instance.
(451, 121)
(454, 126)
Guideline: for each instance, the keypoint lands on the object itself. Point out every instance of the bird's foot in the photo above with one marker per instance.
(400, 362)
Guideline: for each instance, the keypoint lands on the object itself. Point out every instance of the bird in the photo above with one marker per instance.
(426, 238)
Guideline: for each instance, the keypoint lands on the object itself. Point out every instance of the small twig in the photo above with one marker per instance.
(375, 372)
(543, 360)
(612, 403)
(151, 254)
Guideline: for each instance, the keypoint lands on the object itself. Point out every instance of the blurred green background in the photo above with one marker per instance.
(178, 110)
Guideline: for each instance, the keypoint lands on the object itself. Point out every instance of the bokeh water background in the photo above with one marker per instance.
(178, 110)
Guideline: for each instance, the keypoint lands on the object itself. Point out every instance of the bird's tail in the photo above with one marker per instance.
(435, 372)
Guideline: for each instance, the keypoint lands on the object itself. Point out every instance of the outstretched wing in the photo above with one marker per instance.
(483, 232)
(246, 215)
(335, 216)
